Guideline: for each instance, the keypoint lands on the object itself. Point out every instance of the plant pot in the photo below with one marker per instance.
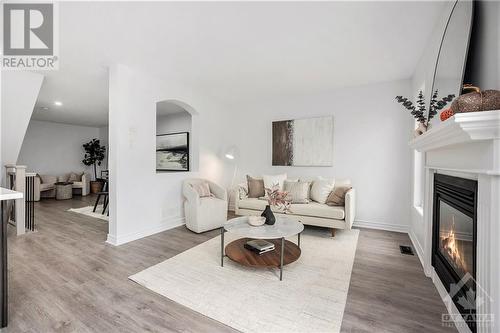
(95, 186)
(421, 129)
(268, 214)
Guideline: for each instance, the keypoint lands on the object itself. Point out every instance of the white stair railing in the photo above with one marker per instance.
(16, 180)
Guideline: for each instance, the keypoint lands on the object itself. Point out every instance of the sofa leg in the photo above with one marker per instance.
(333, 232)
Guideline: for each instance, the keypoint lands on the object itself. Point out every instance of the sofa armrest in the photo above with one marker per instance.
(36, 187)
(350, 207)
(190, 194)
(218, 191)
(238, 190)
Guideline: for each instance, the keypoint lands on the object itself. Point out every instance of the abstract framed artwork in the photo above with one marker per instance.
(172, 152)
(303, 142)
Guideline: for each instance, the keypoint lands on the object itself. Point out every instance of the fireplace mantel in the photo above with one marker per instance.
(461, 128)
(467, 145)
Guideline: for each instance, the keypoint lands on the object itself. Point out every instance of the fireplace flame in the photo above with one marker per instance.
(452, 248)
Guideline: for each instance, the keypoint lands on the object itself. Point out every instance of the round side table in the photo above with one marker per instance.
(64, 190)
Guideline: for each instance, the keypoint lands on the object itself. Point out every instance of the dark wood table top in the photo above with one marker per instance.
(236, 251)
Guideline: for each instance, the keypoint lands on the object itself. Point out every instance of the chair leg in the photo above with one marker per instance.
(96, 203)
(105, 205)
(333, 232)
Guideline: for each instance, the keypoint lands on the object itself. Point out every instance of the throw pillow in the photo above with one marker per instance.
(73, 177)
(203, 189)
(242, 191)
(320, 189)
(46, 179)
(63, 178)
(298, 192)
(272, 180)
(255, 187)
(337, 197)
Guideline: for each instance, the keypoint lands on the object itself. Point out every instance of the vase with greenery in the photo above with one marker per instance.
(94, 155)
(419, 111)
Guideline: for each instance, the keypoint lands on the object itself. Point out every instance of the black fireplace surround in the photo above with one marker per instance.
(454, 238)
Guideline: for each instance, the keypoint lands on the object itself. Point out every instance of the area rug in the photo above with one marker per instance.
(311, 297)
(88, 211)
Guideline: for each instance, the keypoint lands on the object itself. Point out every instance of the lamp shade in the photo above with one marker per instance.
(231, 153)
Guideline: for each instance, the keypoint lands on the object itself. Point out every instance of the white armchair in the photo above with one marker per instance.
(206, 213)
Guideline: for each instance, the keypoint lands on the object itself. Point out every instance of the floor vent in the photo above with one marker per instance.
(406, 250)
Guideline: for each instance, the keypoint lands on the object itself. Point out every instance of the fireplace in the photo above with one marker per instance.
(454, 241)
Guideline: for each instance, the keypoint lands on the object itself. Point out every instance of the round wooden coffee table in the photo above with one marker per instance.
(284, 253)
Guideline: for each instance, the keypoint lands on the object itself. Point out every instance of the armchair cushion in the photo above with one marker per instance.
(203, 189)
(75, 177)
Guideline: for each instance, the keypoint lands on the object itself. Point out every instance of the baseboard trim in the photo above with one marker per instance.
(380, 226)
(164, 225)
(418, 247)
(460, 323)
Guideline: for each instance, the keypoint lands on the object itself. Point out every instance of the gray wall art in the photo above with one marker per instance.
(303, 142)
(172, 152)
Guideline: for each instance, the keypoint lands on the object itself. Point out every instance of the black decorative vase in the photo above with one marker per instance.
(268, 214)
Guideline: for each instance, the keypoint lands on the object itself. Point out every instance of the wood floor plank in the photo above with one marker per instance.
(65, 278)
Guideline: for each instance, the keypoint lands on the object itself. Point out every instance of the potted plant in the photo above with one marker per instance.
(94, 155)
(419, 111)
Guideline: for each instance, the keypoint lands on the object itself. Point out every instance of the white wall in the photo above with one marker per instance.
(422, 79)
(172, 123)
(371, 133)
(19, 93)
(53, 148)
(143, 202)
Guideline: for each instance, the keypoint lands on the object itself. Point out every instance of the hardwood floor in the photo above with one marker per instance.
(65, 278)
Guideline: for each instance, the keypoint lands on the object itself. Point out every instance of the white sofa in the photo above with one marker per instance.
(207, 213)
(45, 188)
(313, 213)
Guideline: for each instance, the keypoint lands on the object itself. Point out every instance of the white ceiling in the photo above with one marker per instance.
(234, 51)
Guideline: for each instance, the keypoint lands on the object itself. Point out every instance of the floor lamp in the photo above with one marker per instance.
(232, 155)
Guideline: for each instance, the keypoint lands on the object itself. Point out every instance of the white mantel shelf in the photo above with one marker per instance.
(461, 128)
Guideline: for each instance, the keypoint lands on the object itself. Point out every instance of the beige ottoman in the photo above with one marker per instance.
(64, 190)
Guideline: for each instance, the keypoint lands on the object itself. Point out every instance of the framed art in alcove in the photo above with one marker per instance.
(172, 152)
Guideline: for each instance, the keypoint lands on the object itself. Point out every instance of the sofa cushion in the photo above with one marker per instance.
(46, 187)
(312, 209)
(255, 187)
(46, 179)
(272, 180)
(63, 178)
(337, 197)
(253, 203)
(316, 209)
(320, 189)
(298, 192)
